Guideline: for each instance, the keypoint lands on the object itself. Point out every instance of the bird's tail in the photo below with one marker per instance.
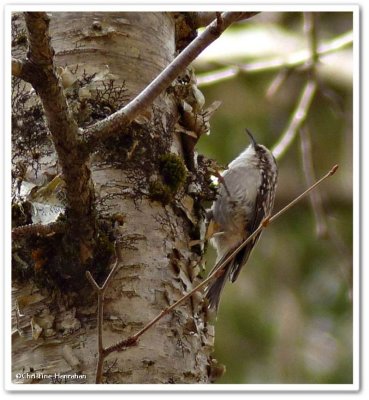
(214, 290)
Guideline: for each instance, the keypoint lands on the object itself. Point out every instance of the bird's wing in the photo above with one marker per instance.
(234, 266)
(242, 256)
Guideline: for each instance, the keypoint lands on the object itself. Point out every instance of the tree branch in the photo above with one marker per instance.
(63, 127)
(38, 229)
(120, 119)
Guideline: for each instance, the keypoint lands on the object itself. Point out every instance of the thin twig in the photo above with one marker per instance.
(267, 221)
(331, 172)
(100, 290)
(126, 115)
(297, 119)
(292, 61)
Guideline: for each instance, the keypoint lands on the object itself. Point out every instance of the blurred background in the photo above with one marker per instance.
(288, 318)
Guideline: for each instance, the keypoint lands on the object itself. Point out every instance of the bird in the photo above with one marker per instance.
(245, 198)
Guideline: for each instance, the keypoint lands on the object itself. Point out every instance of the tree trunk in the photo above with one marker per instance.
(143, 201)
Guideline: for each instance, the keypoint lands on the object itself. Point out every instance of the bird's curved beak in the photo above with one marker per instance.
(253, 141)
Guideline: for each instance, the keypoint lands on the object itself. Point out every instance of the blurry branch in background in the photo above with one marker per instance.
(310, 28)
(299, 116)
(344, 255)
(294, 60)
(325, 229)
(297, 119)
(305, 139)
(315, 197)
(296, 127)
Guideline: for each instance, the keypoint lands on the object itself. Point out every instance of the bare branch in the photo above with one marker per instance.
(311, 31)
(217, 270)
(38, 229)
(292, 61)
(92, 281)
(277, 83)
(297, 119)
(315, 197)
(299, 115)
(63, 127)
(100, 290)
(311, 62)
(124, 116)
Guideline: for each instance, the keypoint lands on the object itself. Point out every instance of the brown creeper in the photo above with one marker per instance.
(246, 197)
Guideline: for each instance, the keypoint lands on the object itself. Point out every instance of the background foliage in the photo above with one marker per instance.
(288, 318)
